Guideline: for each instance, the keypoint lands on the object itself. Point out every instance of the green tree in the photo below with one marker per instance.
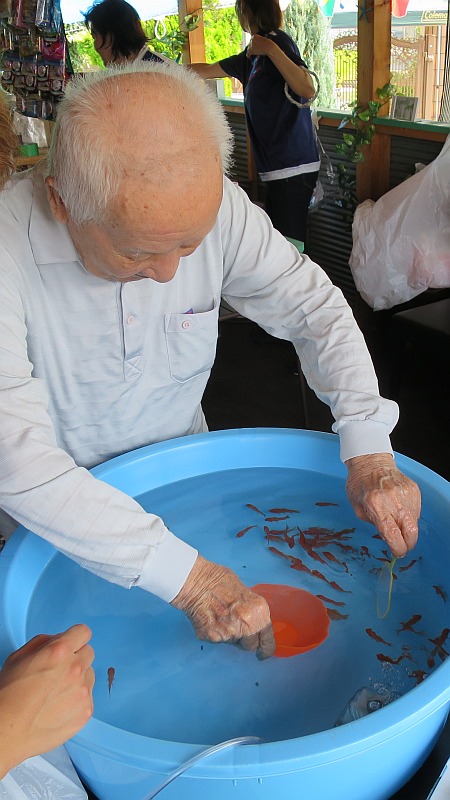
(307, 26)
(167, 36)
(83, 56)
(223, 34)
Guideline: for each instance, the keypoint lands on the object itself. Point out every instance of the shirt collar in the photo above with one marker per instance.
(142, 52)
(50, 240)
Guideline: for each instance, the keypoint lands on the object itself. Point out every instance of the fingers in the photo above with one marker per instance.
(262, 642)
(77, 636)
(266, 646)
(382, 495)
(222, 609)
(400, 534)
(28, 648)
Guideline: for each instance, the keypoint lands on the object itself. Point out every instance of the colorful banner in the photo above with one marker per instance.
(399, 7)
(326, 7)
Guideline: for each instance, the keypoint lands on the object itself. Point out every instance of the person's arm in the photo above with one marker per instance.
(296, 76)
(268, 281)
(45, 694)
(208, 71)
(100, 527)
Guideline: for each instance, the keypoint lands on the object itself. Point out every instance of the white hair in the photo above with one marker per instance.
(89, 156)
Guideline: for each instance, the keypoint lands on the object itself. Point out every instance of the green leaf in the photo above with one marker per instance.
(374, 107)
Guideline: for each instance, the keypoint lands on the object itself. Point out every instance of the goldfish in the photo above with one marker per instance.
(111, 675)
(408, 566)
(254, 508)
(283, 510)
(335, 615)
(409, 624)
(439, 591)
(375, 636)
(241, 533)
(328, 600)
(389, 660)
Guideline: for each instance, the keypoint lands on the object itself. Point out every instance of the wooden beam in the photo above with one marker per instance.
(374, 57)
(194, 50)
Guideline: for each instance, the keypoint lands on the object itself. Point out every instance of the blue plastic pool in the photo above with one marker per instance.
(173, 695)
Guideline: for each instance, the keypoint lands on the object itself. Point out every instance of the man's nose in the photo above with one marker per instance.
(162, 269)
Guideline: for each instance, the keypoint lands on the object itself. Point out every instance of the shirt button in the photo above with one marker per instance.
(186, 324)
(130, 319)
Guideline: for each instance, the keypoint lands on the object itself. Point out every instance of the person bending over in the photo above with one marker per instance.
(112, 269)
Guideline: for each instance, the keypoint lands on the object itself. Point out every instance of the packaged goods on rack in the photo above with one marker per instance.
(33, 55)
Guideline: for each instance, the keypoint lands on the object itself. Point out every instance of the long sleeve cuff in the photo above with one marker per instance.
(166, 570)
(361, 438)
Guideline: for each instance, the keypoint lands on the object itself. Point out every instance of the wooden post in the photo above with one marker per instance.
(431, 72)
(374, 57)
(194, 50)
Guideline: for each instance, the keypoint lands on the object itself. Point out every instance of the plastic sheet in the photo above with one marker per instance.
(30, 129)
(49, 777)
(401, 243)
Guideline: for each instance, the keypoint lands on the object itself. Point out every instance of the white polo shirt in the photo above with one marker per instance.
(90, 369)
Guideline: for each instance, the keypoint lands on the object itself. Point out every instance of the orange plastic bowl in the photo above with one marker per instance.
(300, 620)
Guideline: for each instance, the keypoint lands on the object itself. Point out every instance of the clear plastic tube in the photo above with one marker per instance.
(384, 589)
(209, 751)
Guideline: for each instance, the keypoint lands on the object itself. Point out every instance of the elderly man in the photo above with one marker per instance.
(111, 273)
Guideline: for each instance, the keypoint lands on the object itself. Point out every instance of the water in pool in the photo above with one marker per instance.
(169, 685)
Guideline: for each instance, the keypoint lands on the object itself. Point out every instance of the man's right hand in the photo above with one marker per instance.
(222, 609)
(45, 694)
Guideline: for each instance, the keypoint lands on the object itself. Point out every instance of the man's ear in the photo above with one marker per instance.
(55, 202)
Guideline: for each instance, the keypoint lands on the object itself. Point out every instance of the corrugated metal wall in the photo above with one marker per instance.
(330, 232)
(406, 153)
(239, 170)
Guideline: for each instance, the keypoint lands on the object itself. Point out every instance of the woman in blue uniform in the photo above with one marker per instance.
(277, 92)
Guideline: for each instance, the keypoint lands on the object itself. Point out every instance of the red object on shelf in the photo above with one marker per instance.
(399, 7)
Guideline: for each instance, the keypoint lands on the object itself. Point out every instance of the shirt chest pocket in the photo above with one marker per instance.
(191, 341)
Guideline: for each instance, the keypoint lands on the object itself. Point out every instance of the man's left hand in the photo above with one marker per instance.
(384, 496)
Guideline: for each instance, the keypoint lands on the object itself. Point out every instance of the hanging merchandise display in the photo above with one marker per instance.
(33, 55)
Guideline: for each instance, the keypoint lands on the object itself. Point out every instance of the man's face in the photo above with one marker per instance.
(145, 234)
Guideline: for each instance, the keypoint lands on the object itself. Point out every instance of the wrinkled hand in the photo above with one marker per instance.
(260, 46)
(222, 609)
(45, 694)
(382, 495)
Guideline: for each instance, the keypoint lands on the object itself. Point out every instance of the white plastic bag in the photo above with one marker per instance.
(30, 129)
(401, 243)
(49, 777)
